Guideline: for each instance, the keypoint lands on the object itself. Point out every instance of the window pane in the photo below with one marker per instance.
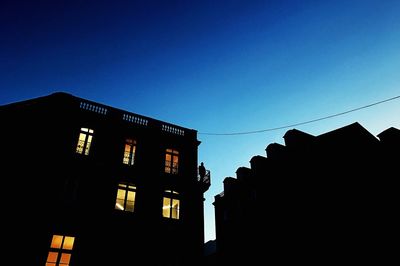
(56, 241)
(130, 202)
(121, 194)
(65, 258)
(121, 185)
(131, 195)
(166, 207)
(129, 151)
(168, 161)
(84, 129)
(119, 204)
(168, 158)
(174, 163)
(126, 154)
(81, 143)
(175, 168)
(52, 257)
(132, 155)
(175, 214)
(175, 209)
(130, 206)
(68, 242)
(89, 141)
(82, 137)
(167, 169)
(175, 203)
(50, 264)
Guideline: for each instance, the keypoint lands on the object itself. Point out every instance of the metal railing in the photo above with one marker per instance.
(206, 179)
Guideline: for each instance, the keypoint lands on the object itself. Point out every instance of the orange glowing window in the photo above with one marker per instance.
(84, 141)
(60, 250)
(129, 152)
(171, 205)
(126, 195)
(171, 161)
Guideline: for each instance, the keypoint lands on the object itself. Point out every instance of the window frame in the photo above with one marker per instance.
(127, 189)
(171, 166)
(168, 211)
(86, 136)
(59, 254)
(129, 156)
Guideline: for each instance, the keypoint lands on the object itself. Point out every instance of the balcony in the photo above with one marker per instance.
(205, 181)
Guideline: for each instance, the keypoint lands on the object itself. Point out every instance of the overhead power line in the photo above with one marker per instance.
(301, 123)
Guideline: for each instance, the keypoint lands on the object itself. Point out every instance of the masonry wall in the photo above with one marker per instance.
(50, 189)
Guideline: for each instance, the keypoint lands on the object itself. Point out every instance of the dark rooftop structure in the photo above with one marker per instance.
(316, 199)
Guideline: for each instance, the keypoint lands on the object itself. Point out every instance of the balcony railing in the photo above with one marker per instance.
(173, 129)
(93, 107)
(135, 119)
(205, 181)
(88, 105)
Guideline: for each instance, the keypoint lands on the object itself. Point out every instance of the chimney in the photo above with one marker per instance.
(229, 186)
(275, 150)
(243, 174)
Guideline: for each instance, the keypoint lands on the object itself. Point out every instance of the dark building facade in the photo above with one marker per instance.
(88, 184)
(316, 199)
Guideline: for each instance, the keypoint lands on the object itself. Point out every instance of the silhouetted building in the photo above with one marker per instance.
(316, 199)
(210, 253)
(86, 184)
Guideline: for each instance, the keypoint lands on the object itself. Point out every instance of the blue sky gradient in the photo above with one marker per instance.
(213, 66)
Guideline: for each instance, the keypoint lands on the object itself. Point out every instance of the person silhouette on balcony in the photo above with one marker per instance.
(202, 171)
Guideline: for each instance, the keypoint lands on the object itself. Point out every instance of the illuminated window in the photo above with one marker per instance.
(171, 161)
(125, 197)
(171, 205)
(60, 250)
(84, 141)
(129, 152)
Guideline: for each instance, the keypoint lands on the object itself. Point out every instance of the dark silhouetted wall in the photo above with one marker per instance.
(50, 189)
(316, 199)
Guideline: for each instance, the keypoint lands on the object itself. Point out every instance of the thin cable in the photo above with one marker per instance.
(301, 123)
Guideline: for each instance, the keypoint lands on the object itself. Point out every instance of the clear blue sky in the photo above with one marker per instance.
(213, 66)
